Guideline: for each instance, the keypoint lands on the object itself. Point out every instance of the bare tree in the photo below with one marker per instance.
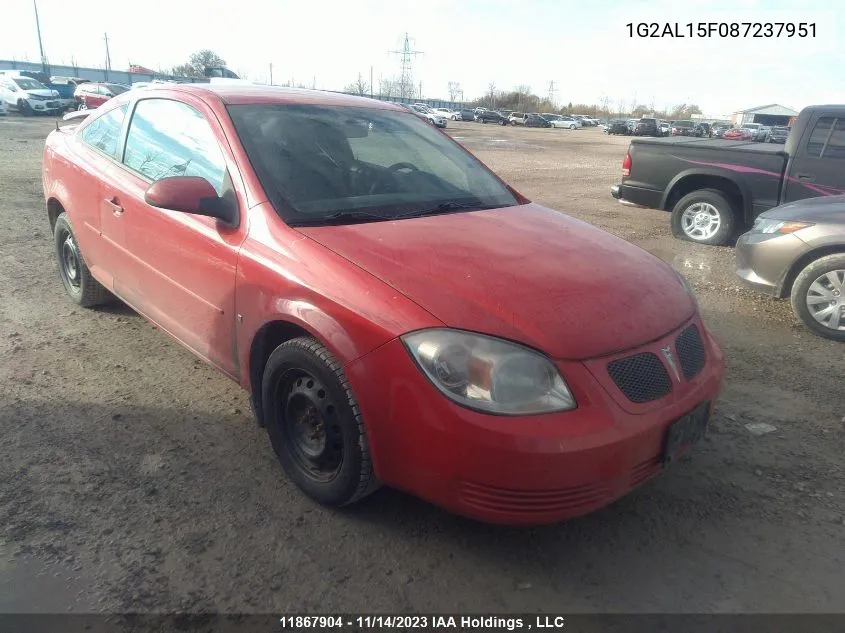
(491, 94)
(360, 87)
(197, 64)
(387, 87)
(454, 90)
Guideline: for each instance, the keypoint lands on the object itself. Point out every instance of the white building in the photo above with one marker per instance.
(772, 114)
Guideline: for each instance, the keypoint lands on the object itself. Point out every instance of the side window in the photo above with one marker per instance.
(819, 136)
(836, 143)
(103, 132)
(169, 138)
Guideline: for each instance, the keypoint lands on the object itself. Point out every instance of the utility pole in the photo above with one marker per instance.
(371, 82)
(271, 73)
(420, 91)
(406, 87)
(40, 45)
(108, 56)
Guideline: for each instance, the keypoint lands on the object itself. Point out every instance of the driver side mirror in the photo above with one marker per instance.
(192, 194)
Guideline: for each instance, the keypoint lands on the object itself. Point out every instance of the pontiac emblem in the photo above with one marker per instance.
(670, 358)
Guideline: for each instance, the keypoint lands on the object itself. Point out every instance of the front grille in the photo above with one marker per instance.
(576, 498)
(690, 351)
(641, 377)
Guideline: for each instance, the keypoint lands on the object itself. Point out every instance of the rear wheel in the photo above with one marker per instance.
(818, 296)
(315, 425)
(704, 216)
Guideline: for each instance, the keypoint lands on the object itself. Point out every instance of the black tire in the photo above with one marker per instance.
(78, 281)
(24, 108)
(723, 209)
(801, 289)
(303, 377)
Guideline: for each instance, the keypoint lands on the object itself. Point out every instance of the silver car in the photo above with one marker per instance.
(797, 250)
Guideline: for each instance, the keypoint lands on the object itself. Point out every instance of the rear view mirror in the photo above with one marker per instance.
(192, 194)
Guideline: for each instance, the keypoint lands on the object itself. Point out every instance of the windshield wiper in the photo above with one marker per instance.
(443, 207)
(343, 217)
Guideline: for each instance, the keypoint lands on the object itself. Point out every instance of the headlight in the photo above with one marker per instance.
(768, 225)
(489, 374)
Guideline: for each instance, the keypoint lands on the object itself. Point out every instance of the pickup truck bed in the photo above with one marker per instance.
(735, 181)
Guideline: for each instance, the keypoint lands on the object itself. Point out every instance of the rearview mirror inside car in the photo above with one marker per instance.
(192, 194)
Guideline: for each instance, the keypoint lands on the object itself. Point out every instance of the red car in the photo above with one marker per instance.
(92, 95)
(737, 134)
(399, 315)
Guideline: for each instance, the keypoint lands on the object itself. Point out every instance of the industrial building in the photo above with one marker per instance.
(773, 114)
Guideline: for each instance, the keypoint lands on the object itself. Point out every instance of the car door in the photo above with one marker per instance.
(99, 150)
(184, 265)
(818, 165)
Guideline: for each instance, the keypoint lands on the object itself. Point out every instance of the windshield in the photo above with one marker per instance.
(683, 124)
(25, 83)
(116, 89)
(318, 161)
(649, 121)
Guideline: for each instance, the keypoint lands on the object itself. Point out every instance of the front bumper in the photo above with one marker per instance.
(764, 259)
(526, 470)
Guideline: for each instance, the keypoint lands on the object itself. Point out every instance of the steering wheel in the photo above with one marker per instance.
(397, 166)
(383, 180)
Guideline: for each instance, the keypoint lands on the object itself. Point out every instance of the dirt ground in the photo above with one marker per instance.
(133, 478)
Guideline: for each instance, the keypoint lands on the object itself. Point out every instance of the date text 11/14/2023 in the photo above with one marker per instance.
(423, 622)
(722, 29)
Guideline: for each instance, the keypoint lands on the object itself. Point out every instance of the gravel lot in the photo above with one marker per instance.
(133, 478)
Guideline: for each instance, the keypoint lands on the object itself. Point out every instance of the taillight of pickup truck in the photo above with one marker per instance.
(626, 165)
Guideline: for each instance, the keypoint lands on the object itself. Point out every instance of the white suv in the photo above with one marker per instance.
(27, 95)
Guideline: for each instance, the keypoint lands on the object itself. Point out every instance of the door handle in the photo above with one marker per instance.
(805, 177)
(115, 205)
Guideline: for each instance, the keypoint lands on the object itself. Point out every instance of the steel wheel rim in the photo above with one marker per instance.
(308, 419)
(825, 300)
(70, 262)
(701, 221)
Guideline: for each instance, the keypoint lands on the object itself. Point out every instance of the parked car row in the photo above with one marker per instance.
(508, 117)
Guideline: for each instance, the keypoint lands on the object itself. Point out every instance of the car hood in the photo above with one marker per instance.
(819, 209)
(525, 273)
(39, 92)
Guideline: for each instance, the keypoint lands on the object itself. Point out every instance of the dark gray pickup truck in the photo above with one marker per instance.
(714, 187)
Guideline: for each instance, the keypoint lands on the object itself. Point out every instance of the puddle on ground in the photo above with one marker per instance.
(28, 585)
(697, 262)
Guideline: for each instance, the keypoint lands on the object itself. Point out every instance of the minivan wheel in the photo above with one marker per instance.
(78, 281)
(818, 296)
(704, 216)
(315, 425)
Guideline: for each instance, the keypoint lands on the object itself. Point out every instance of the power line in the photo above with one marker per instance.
(406, 82)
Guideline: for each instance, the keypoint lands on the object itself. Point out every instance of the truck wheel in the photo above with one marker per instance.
(315, 425)
(78, 281)
(704, 216)
(818, 296)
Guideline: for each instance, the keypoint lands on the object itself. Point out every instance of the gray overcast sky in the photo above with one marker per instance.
(584, 47)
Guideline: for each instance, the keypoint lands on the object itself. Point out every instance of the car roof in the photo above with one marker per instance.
(244, 94)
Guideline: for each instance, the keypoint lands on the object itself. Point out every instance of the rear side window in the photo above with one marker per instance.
(169, 138)
(103, 133)
(819, 136)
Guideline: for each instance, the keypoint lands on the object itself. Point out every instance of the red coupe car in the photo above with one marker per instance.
(399, 315)
(736, 134)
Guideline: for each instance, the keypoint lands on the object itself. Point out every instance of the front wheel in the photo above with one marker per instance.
(704, 216)
(24, 108)
(78, 281)
(572, 127)
(315, 425)
(818, 296)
